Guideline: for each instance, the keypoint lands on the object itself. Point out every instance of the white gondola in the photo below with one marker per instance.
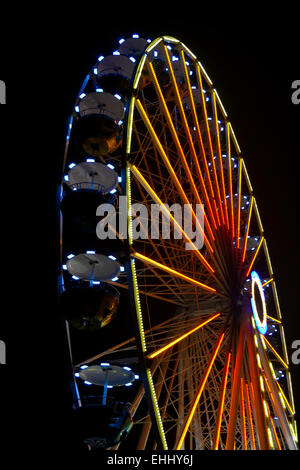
(104, 104)
(94, 267)
(92, 175)
(111, 375)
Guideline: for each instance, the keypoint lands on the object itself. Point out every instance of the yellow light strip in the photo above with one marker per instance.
(185, 335)
(189, 52)
(285, 401)
(172, 271)
(215, 112)
(178, 144)
(273, 319)
(239, 204)
(155, 197)
(156, 410)
(275, 352)
(220, 104)
(139, 71)
(250, 189)
(195, 157)
(222, 400)
(204, 73)
(129, 125)
(230, 178)
(168, 164)
(153, 44)
(198, 396)
(234, 139)
(258, 217)
(275, 295)
(254, 257)
(247, 231)
(170, 39)
(268, 282)
(268, 258)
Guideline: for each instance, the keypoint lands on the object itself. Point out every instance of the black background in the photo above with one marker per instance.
(252, 59)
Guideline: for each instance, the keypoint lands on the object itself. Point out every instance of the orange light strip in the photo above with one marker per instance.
(215, 112)
(180, 151)
(275, 352)
(169, 166)
(254, 257)
(230, 177)
(250, 416)
(185, 335)
(221, 406)
(196, 123)
(198, 396)
(239, 205)
(247, 230)
(203, 105)
(155, 197)
(172, 271)
(243, 415)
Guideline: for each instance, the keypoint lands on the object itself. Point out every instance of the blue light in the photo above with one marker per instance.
(76, 374)
(77, 109)
(90, 252)
(83, 367)
(90, 160)
(113, 191)
(116, 53)
(132, 59)
(64, 266)
(129, 384)
(121, 41)
(119, 179)
(136, 377)
(82, 95)
(95, 71)
(66, 178)
(117, 96)
(126, 368)
(112, 257)
(104, 364)
(115, 278)
(100, 58)
(135, 36)
(86, 382)
(72, 165)
(75, 278)
(99, 90)
(70, 256)
(109, 165)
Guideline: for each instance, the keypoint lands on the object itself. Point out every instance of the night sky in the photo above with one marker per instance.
(252, 60)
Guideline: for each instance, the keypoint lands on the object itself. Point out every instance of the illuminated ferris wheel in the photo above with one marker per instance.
(188, 344)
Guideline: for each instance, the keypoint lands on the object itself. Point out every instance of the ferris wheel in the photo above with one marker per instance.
(202, 362)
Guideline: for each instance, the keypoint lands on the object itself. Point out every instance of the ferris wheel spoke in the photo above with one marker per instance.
(221, 402)
(192, 410)
(182, 337)
(181, 152)
(247, 230)
(210, 148)
(169, 216)
(249, 417)
(220, 161)
(254, 257)
(169, 166)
